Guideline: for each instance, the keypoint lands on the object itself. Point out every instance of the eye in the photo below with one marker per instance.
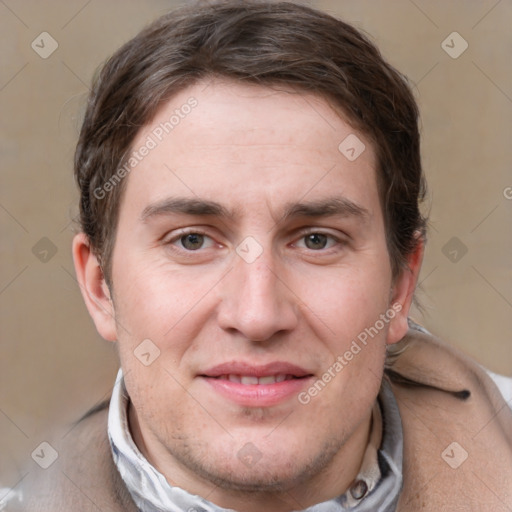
(191, 241)
(317, 241)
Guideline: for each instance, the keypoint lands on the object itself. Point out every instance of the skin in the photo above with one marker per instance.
(254, 150)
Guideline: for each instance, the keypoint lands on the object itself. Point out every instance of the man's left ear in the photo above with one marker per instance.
(403, 289)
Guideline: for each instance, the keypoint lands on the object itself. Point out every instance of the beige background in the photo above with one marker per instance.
(53, 364)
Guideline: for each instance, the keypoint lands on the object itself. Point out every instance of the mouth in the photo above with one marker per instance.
(257, 386)
(250, 380)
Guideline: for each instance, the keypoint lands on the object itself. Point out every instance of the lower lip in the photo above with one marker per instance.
(258, 395)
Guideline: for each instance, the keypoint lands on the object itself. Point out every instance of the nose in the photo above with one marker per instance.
(257, 302)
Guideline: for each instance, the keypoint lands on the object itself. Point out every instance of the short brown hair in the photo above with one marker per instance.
(261, 42)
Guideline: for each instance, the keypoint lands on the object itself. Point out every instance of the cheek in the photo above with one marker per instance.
(347, 300)
(154, 300)
(347, 315)
(156, 395)
(161, 311)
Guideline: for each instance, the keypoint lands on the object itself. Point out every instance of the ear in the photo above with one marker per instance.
(94, 287)
(402, 295)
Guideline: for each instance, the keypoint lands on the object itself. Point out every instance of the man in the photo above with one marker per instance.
(250, 184)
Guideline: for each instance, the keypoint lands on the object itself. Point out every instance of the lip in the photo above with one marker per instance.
(252, 370)
(257, 395)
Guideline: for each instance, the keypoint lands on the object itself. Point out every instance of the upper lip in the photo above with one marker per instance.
(248, 369)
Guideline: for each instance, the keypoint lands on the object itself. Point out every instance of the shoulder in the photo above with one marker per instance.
(457, 428)
(82, 477)
(428, 374)
(504, 384)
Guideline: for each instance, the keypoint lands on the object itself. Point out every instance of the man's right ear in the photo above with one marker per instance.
(94, 287)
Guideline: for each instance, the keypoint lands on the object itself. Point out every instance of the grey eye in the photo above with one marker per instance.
(316, 241)
(192, 241)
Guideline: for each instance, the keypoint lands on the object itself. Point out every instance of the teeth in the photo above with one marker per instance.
(249, 380)
(267, 380)
(246, 381)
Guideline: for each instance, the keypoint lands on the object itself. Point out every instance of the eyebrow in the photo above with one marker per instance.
(332, 206)
(339, 206)
(186, 206)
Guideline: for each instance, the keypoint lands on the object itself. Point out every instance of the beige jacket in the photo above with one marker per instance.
(457, 443)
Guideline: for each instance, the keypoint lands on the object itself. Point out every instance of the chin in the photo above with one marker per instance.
(265, 478)
(263, 468)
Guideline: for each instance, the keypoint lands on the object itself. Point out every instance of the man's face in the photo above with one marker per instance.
(249, 250)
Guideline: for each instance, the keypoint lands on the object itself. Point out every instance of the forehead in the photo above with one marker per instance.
(246, 142)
